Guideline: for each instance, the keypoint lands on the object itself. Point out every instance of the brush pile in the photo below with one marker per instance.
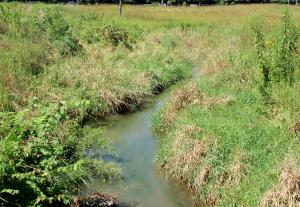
(96, 200)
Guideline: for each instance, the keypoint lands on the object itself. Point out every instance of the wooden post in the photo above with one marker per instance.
(120, 7)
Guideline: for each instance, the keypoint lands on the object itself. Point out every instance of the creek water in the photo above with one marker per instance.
(136, 146)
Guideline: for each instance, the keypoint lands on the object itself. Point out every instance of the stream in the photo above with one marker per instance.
(142, 183)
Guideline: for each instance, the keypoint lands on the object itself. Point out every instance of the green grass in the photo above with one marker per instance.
(227, 143)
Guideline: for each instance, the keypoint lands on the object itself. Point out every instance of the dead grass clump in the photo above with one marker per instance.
(186, 155)
(123, 100)
(295, 127)
(287, 191)
(203, 176)
(237, 168)
(3, 29)
(186, 95)
(191, 95)
(215, 61)
(212, 198)
(208, 102)
(156, 40)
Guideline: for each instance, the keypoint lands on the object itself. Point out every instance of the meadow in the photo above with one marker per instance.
(227, 136)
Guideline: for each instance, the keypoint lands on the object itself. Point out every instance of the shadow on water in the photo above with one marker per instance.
(136, 148)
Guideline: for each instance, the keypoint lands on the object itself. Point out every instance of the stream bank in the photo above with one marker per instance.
(136, 146)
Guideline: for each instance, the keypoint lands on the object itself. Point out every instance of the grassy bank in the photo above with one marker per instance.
(229, 136)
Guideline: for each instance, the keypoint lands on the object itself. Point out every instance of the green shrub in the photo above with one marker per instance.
(43, 159)
(55, 24)
(58, 30)
(90, 27)
(115, 35)
(90, 17)
(70, 45)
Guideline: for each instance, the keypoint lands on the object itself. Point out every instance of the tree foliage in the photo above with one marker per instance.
(226, 2)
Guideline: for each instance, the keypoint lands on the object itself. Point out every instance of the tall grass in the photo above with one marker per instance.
(224, 142)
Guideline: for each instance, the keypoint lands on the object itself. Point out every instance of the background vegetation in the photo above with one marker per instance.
(169, 2)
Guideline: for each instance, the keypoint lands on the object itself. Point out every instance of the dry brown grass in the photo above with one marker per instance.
(203, 176)
(295, 127)
(181, 98)
(115, 85)
(187, 95)
(209, 48)
(236, 170)
(287, 192)
(186, 155)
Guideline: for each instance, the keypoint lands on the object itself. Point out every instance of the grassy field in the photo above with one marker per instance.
(219, 135)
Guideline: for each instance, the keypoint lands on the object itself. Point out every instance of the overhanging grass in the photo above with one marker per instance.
(241, 126)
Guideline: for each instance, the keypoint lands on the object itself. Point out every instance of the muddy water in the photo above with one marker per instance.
(136, 148)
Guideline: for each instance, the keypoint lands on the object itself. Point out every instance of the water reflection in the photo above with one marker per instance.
(136, 146)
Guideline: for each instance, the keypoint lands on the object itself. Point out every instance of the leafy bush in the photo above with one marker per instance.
(115, 35)
(58, 29)
(43, 159)
(55, 24)
(70, 45)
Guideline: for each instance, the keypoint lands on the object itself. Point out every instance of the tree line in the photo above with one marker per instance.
(168, 2)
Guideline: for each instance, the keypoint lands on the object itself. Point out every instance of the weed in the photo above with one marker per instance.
(285, 50)
(115, 35)
(264, 63)
(278, 63)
